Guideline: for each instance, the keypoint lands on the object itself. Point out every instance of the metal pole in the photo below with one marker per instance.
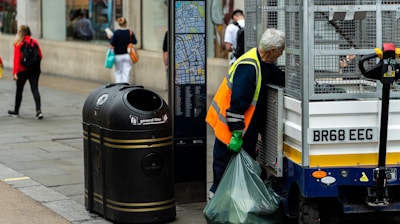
(381, 180)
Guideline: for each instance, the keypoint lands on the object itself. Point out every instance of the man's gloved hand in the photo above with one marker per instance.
(236, 141)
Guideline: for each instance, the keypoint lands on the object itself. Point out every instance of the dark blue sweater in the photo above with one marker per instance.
(121, 39)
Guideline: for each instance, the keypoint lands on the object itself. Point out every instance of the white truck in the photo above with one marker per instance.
(331, 142)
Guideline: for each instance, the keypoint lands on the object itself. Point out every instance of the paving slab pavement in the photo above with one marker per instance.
(41, 161)
(17, 208)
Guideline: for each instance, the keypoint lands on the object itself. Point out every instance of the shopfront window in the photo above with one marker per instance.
(8, 13)
(155, 23)
(99, 14)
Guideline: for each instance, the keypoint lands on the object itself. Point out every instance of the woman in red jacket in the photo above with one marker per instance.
(21, 73)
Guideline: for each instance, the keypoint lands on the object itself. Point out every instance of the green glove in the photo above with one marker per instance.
(236, 141)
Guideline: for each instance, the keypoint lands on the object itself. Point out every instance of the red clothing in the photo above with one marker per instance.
(17, 66)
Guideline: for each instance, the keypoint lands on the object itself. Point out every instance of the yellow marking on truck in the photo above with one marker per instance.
(367, 159)
(364, 177)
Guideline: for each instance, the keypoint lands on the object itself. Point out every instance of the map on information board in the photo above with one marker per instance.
(190, 42)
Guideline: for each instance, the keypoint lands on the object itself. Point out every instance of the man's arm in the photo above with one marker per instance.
(278, 77)
(228, 47)
(228, 38)
(165, 59)
(243, 88)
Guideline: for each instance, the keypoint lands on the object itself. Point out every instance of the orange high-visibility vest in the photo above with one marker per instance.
(216, 116)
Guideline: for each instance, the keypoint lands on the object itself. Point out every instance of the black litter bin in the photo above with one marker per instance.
(128, 155)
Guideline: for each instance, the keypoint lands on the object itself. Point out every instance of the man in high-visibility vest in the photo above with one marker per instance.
(236, 111)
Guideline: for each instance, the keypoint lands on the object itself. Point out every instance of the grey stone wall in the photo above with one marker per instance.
(86, 61)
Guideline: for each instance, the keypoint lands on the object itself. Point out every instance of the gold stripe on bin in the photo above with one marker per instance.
(141, 209)
(95, 135)
(134, 207)
(96, 140)
(124, 143)
(142, 146)
(141, 204)
(96, 197)
(127, 141)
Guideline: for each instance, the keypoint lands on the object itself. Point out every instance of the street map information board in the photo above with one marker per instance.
(189, 99)
(190, 55)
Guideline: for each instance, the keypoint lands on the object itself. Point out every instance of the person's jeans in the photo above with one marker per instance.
(221, 157)
(123, 66)
(33, 77)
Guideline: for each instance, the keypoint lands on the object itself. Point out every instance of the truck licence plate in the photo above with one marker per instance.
(342, 135)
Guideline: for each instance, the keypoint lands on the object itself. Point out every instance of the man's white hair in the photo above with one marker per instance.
(272, 38)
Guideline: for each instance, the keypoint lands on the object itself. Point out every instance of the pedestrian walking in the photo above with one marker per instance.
(119, 42)
(231, 31)
(26, 66)
(1, 67)
(165, 51)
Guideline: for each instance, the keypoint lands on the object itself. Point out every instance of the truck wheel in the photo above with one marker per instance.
(308, 211)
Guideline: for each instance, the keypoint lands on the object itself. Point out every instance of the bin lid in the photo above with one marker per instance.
(128, 108)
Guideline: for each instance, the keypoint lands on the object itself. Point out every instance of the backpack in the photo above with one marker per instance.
(30, 55)
(239, 41)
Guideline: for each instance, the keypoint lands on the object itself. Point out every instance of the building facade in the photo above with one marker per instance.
(52, 23)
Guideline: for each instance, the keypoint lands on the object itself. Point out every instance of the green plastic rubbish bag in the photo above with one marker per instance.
(242, 196)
